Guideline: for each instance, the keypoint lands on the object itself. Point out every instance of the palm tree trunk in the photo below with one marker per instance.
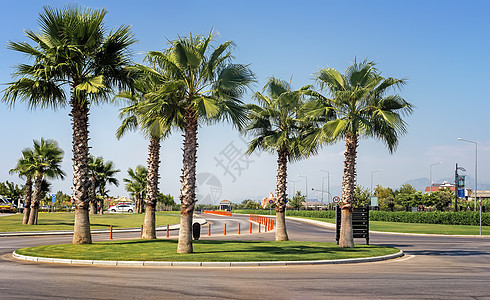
(348, 181)
(93, 200)
(27, 200)
(282, 166)
(149, 231)
(101, 211)
(35, 202)
(93, 205)
(81, 182)
(188, 180)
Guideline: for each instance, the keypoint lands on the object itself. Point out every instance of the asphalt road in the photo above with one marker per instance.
(434, 268)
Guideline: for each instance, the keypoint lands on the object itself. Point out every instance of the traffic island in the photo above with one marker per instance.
(207, 253)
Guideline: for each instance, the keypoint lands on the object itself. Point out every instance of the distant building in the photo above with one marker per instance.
(437, 186)
(225, 205)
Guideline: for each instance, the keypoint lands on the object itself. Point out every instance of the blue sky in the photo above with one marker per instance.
(441, 47)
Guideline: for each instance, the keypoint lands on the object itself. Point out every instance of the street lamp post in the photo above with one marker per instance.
(294, 186)
(430, 179)
(372, 172)
(328, 184)
(476, 172)
(306, 183)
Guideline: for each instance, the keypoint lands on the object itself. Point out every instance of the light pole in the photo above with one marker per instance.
(294, 185)
(322, 191)
(430, 179)
(372, 172)
(476, 163)
(328, 184)
(306, 183)
(476, 172)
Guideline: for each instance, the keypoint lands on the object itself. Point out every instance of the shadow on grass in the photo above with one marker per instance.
(279, 248)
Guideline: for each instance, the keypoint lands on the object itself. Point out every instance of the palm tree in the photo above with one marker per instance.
(73, 48)
(46, 159)
(206, 88)
(94, 168)
(136, 185)
(149, 110)
(106, 176)
(362, 109)
(278, 128)
(101, 174)
(24, 169)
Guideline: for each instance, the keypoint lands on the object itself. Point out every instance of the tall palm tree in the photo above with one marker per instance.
(46, 159)
(73, 49)
(206, 88)
(363, 109)
(136, 185)
(149, 110)
(278, 127)
(24, 169)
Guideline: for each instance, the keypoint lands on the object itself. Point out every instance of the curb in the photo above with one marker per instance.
(216, 264)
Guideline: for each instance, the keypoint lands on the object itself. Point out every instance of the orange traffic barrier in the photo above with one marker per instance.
(110, 236)
(218, 212)
(167, 230)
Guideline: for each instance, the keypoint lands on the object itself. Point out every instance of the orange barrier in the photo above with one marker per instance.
(110, 236)
(225, 228)
(238, 227)
(167, 230)
(250, 227)
(218, 212)
(209, 229)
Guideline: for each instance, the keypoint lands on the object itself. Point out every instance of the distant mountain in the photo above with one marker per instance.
(419, 184)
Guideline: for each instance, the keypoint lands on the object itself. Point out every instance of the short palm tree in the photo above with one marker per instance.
(46, 159)
(24, 169)
(73, 49)
(101, 174)
(277, 126)
(149, 111)
(205, 87)
(136, 185)
(106, 176)
(362, 109)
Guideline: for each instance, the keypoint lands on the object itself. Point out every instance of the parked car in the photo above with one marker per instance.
(7, 206)
(121, 207)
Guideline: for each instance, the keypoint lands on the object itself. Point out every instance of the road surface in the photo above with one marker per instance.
(434, 267)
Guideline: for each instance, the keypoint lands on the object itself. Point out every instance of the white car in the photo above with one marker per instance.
(121, 207)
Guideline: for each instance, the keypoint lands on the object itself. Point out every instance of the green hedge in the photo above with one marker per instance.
(448, 218)
(438, 217)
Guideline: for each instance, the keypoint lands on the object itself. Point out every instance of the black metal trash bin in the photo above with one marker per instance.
(196, 230)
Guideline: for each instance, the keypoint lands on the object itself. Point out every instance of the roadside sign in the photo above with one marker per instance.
(336, 199)
(374, 201)
(53, 198)
(270, 201)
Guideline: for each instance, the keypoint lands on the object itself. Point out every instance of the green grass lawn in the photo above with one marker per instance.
(206, 250)
(421, 228)
(64, 221)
